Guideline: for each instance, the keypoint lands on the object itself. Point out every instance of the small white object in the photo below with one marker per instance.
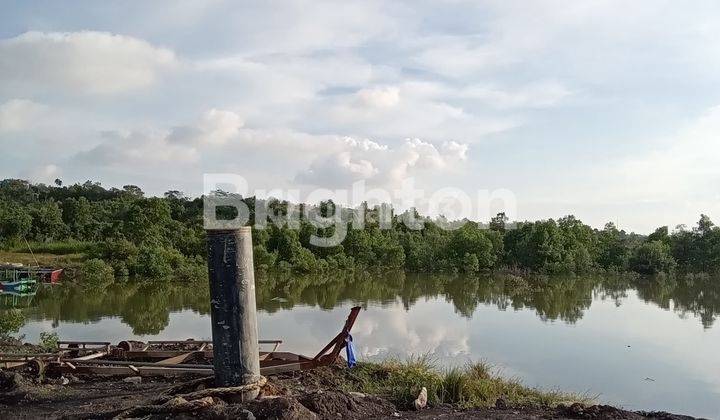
(133, 379)
(421, 401)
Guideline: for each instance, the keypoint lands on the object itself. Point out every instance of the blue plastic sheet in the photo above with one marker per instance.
(350, 351)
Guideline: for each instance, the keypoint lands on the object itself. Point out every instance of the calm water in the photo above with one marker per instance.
(646, 344)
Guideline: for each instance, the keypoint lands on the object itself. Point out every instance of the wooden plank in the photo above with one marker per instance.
(10, 365)
(287, 367)
(162, 354)
(176, 359)
(150, 369)
(91, 356)
(139, 371)
(84, 343)
(160, 342)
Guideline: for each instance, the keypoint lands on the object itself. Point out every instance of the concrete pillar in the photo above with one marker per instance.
(232, 308)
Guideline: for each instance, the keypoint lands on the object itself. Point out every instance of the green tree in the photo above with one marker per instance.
(613, 252)
(15, 221)
(651, 258)
(47, 222)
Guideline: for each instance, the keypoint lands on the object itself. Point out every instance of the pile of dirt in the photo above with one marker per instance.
(14, 345)
(311, 395)
(15, 388)
(335, 404)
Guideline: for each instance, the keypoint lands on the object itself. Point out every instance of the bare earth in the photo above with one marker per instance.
(301, 395)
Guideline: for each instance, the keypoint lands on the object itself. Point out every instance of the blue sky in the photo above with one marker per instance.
(602, 109)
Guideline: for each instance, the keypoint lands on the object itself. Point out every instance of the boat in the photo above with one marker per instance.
(14, 276)
(18, 286)
(49, 275)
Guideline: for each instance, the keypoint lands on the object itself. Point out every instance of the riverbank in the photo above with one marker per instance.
(370, 390)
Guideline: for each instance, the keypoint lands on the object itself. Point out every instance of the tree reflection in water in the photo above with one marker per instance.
(146, 307)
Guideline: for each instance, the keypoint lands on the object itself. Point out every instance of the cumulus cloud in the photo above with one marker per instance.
(20, 114)
(341, 169)
(136, 147)
(380, 164)
(179, 145)
(87, 61)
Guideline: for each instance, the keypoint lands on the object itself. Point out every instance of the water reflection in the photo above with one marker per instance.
(145, 307)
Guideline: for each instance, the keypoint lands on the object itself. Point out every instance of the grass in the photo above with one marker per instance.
(55, 248)
(66, 254)
(50, 260)
(474, 385)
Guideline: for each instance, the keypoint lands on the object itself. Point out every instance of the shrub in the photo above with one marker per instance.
(96, 272)
(651, 258)
(264, 259)
(10, 322)
(192, 269)
(156, 261)
(49, 340)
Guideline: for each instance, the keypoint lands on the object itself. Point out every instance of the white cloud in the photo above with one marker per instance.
(87, 61)
(215, 127)
(423, 109)
(670, 182)
(273, 93)
(338, 170)
(537, 95)
(180, 145)
(20, 114)
(379, 97)
(364, 144)
(687, 164)
(455, 150)
(456, 57)
(42, 173)
(380, 165)
(139, 148)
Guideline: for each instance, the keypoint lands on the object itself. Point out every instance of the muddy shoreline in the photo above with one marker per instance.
(319, 394)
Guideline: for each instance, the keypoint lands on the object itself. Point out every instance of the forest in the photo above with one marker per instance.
(122, 232)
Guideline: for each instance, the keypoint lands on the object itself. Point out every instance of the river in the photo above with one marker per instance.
(643, 344)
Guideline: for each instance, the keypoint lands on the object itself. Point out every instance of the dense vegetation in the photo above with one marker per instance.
(163, 236)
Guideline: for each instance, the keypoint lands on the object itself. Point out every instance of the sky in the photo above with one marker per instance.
(608, 110)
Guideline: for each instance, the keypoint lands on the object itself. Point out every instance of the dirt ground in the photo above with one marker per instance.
(301, 395)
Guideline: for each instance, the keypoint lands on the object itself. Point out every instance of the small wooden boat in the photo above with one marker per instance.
(49, 275)
(18, 286)
(14, 273)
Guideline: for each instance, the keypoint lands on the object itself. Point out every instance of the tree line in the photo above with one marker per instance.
(163, 236)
